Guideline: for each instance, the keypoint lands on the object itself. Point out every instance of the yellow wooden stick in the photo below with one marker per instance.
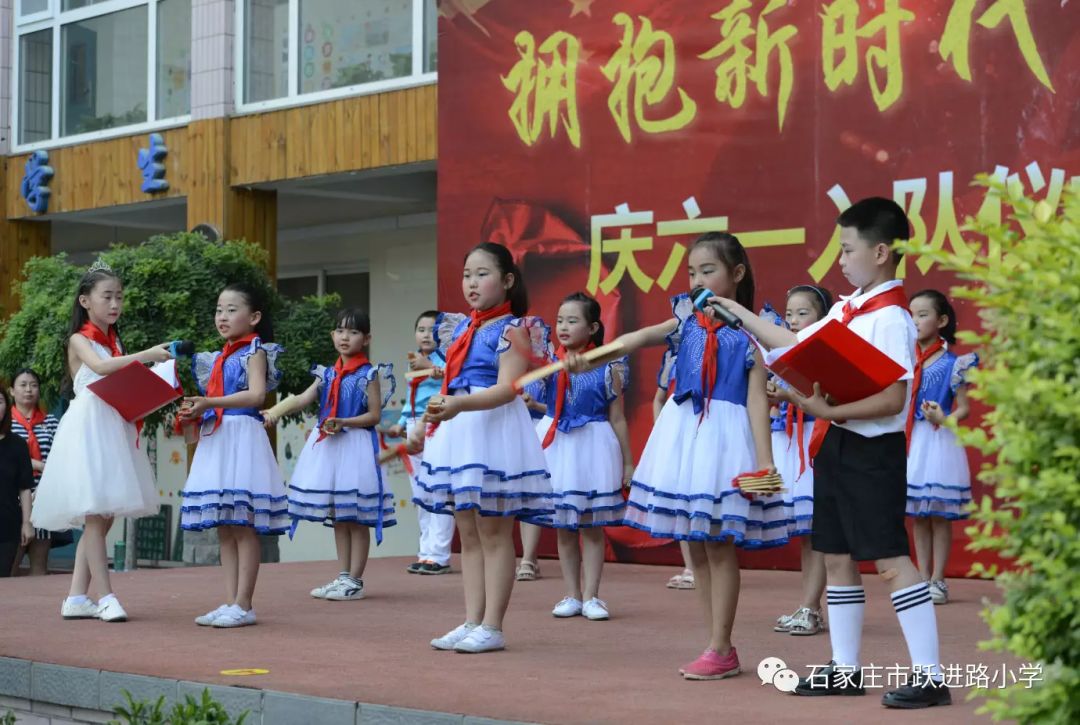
(541, 373)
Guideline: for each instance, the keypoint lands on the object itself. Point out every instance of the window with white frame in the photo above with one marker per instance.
(302, 50)
(84, 67)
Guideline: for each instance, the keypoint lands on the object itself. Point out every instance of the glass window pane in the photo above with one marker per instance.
(35, 86)
(266, 49)
(431, 36)
(174, 58)
(103, 68)
(296, 287)
(76, 4)
(346, 42)
(29, 7)
(353, 288)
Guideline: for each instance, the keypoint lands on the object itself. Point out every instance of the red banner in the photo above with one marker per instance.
(599, 137)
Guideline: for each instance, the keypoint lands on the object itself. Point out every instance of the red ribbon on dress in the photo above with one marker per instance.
(921, 356)
(708, 359)
(36, 418)
(562, 386)
(108, 340)
(215, 387)
(341, 369)
(893, 296)
(795, 423)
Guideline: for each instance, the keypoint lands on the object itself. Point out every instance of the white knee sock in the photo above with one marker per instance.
(846, 605)
(919, 624)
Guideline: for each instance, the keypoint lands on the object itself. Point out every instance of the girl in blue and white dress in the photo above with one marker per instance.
(713, 428)
(939, 480)
(806, 304)
(483, 463)
(338, 480)
(234, 484)
(587, 447)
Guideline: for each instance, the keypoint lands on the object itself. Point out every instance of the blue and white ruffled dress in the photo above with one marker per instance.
(585, 459)
(683, 486)
(939, 479)
(487, 460)
(234, 478)
(339, 478)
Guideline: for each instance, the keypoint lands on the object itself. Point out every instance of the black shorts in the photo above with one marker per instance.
(860, 496)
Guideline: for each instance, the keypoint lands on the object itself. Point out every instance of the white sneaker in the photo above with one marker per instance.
(451, 638)
(346, 589)
(234, 616)
(595, 609)
(321, 592)
(109, 610)
(207, 619)
(939, 592)
(86, 609)
(568, 607)
(481, 639)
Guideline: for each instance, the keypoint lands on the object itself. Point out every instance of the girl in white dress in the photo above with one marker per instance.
(96, 468)
(483, 464)
(338, 480)
(234, 484)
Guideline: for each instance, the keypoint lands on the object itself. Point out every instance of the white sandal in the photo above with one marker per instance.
(684, 580)
(527, 571)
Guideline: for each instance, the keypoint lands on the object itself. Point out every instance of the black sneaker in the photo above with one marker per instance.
(919, 692)
(431, 567)
(415, 567)
(832, 679)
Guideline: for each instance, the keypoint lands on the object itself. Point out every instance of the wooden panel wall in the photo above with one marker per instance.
(98, 174)
(361, 132)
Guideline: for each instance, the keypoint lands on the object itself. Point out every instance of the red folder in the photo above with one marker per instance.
(848, 367)
(135, 391)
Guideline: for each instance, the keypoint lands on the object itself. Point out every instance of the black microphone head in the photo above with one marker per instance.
(183, 347)
(699, 295)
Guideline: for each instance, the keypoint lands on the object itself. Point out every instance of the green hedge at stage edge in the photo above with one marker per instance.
(1028, 296)
(171, 283)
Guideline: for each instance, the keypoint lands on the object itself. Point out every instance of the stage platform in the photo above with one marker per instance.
(325, 657)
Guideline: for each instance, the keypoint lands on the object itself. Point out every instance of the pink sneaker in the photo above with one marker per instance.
(711, 666)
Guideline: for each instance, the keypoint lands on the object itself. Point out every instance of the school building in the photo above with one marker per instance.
(306, 126)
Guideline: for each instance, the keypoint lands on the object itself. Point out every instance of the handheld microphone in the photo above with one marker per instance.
(700, 297)
(182, 347)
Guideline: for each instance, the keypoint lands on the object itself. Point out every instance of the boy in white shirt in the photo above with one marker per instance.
(860, 466)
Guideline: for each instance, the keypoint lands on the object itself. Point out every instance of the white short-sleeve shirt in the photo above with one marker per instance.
(890, 330)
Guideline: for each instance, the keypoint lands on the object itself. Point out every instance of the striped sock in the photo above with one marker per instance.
(918, 621)
(846, 605)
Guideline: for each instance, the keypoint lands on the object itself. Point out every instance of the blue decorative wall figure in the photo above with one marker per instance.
(35, 183)
(150, 162)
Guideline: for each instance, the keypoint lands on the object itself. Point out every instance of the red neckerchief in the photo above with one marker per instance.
(794, 425)
(215, 387)
(341, 369)
(36, 418)
(888, 298)
(459, 348)
(414, 385)
(109, 341)
(921, 356)
(561, 388)
(708, 359)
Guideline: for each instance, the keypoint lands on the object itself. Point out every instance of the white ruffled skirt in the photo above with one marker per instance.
(939, 480)
(682, 487)
(586, 476)
(235, 480)
(799, 498)
(487, 460)
(339, 479)
(95, 468)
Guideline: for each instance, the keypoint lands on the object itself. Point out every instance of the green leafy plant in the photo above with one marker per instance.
(8, 718)
(204, 711)
(1025, 283)
(171, 284)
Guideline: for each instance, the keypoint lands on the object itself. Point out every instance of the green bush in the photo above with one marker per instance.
(204, 711)
(1027, 291)
(171, 283)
